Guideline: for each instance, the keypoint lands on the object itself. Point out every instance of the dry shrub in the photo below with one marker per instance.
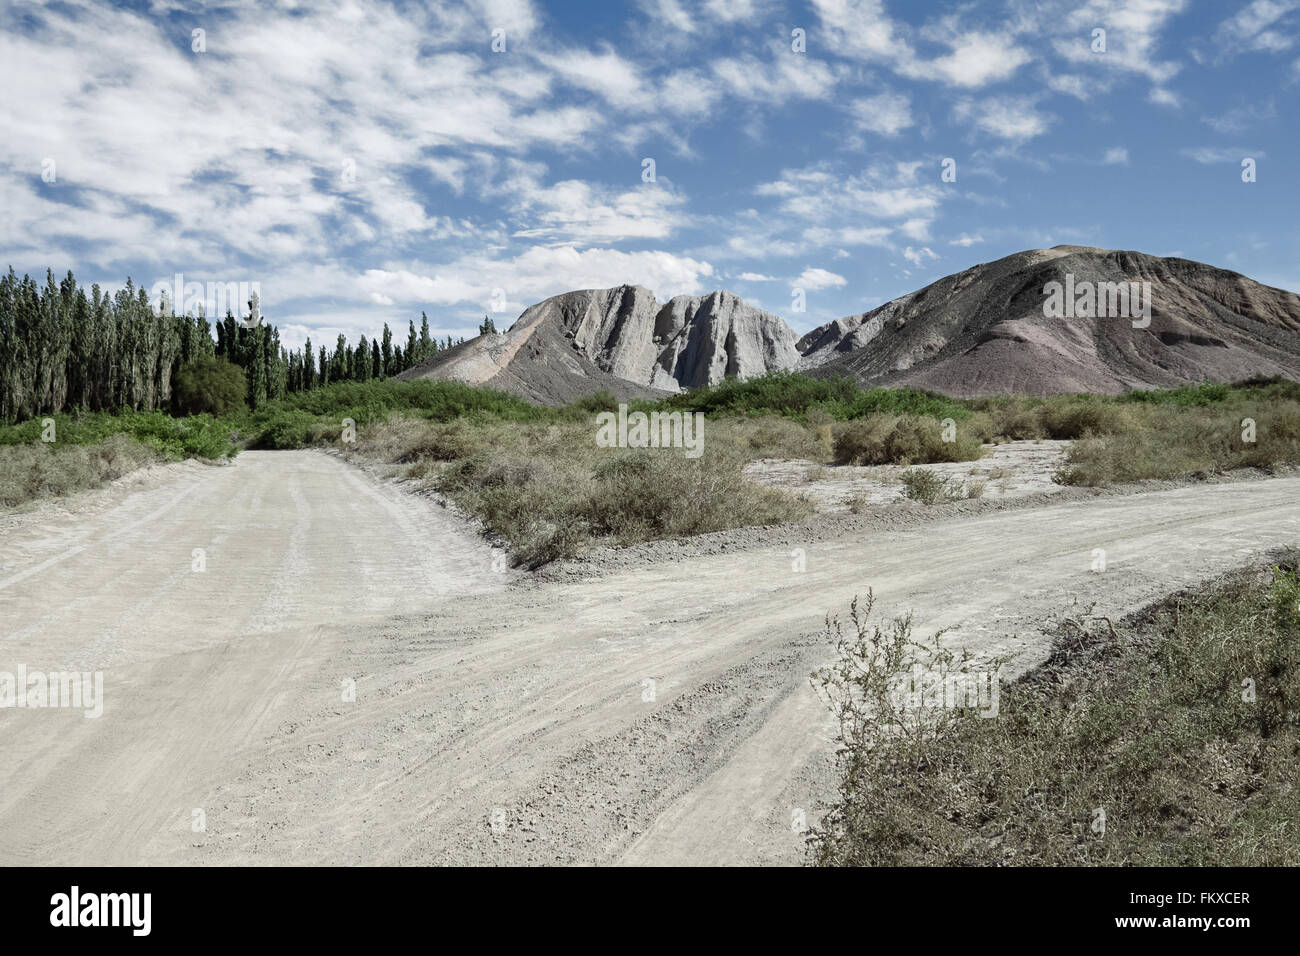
(47, 470)
(902, 440)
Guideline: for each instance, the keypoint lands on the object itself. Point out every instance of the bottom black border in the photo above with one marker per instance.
(333, 906)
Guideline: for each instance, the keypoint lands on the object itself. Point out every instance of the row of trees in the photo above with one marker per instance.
(63, 348)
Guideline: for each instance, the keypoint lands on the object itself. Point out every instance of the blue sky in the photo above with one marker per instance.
(363, 161)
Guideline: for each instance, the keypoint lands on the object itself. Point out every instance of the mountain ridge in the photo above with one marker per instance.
(979, 331)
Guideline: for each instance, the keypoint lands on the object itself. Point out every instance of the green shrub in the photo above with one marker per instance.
(1078, 418)
(1170, 441)
(863, 442)
(209, 385)
(905, 439)
(602, 401)
(294, 429)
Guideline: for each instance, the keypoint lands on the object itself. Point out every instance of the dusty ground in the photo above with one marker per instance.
(477, 701)
(1010, 470)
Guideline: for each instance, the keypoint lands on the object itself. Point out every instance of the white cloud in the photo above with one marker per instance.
(813, 280)
(538, 273)
(755, 277)
(689, 93)
(1116, 156)
(918, 229)
(1238, 120)
(516, 17)
(1164, 97)
(966, 241)
(574, 210)
(689, 17)
(606, 74)
(785, 76)
(244, 156)
(1133, 29)
(1210, 155)
(669, 12)
(886, 113)
(861, 28)
(1071, 84)
(1263, 26)
(918, 257)
(976, 60)
(863, 235)
(818, 193)
(1007, 117)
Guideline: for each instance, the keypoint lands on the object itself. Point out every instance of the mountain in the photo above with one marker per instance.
(622, 340)
(983, 331)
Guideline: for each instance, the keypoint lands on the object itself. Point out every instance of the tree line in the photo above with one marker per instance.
(63, 348)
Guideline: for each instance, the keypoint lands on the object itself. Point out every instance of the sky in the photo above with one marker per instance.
(363, 161)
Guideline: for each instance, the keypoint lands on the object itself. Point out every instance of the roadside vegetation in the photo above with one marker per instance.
(1170, 740)
(41, 470)
(930, 488)
(499, 457)
(550, 492)
(62, 454)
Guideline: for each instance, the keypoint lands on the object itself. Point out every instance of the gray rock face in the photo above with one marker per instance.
(690, 341)
(847, 335)
(712, 337)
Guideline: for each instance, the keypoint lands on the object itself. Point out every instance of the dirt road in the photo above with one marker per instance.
(656, 715)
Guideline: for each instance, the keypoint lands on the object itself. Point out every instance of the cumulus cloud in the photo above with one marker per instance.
(778, 79)
(885, 113)
(574, 210)
(813, 280)
(538, 273)
(822, 193)
(606, 74)
(1133, 36)
(1262, 26)
(976, 59)
(1006, 117)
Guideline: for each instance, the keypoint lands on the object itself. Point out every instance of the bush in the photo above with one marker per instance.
(288, 430)
(1169, 441)
(209, 385)
(905, 439)
(551, 492)
(1147, 721)
(930, 488)
(1079, 418)
(602, 401)
(41, 470)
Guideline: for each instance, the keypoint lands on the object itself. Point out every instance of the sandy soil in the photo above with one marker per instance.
(477, 701)
(1010, 470)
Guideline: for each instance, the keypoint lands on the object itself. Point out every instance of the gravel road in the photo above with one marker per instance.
(349, 680)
